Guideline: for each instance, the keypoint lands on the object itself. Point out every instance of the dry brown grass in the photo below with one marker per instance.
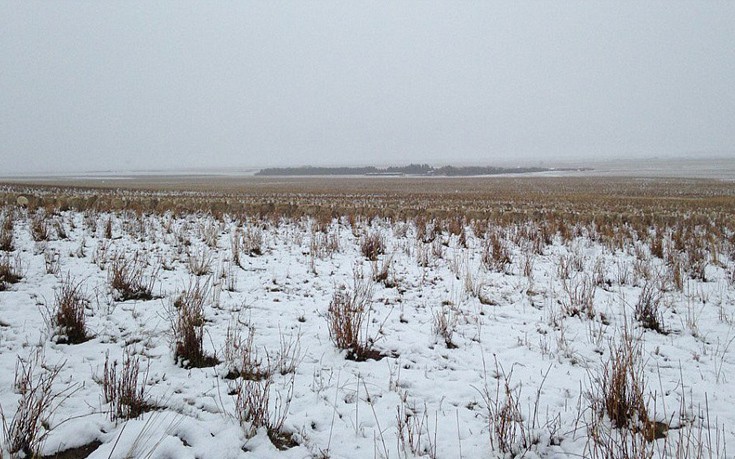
(579, 298)
(495, 253)
(255, 407)
(40, 230)
(384, 273)
(509, 431)
(68, 316)
(345, 316)
(200, 262)
(445, 322)
(253, 240)
(414, 434)
(52, 261)
(348, 319)
(10, 271)
(621, 426)
(648, 307)
(372, 245)
(242, 356)
(34, 381)
(128, 280)
(187, 326)
(124, 389)
(623, 387)
(7, 227)
(619, 208)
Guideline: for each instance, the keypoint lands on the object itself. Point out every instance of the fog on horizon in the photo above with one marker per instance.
(175, 85)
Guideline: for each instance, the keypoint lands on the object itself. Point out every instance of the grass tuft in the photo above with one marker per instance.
(347, 318)
(29, 426)
(10, 271)
(372, 245)
(187, 326)
(68, 317)
(128, 281)
(124, 389)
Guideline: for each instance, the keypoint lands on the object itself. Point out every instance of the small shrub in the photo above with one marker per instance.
(68, 319)
(200, 263)
(437, 248)
(242, 356)
(456, 227)
(623, 387)
(423, 255)
(228, 276)
(101, 255)
(34, 381)
(495, 253)
(345, 320)
(210, 234)
(674, 267)
(128, 281)
(289, 355)
(657, 246)
(123, 388)
(509, 432)
(622, 272)
(10, 271)
(187, 326)
(252, 404)
(383, 273)
(255, 409)
(243, 359)
(473, 285)
(412, 424)
(426, 232)
(580, 296)
(372, 245)
(618, 399)
(39, 227)
(348, 317)
(231, 350)
(252, 241)
(236, 247)
(528, 260)
(51, 260)
(598, 274)
(648, 308)
(323, 245)
(108, 228)
(60, 229)
(445, 323)
(7, 226)
(564, 268)
(697, 261)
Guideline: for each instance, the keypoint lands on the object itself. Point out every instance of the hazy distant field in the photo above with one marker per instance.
(718, 168)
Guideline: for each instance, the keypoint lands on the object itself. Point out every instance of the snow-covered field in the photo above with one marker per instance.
(487, 342)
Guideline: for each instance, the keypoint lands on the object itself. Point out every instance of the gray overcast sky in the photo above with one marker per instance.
(149, 85)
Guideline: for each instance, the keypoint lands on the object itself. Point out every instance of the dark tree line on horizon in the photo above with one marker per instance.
(411, 169)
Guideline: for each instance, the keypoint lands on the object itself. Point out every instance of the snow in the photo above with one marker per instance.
(508, 328)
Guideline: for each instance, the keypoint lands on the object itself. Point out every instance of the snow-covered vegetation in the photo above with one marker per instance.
(566, 327)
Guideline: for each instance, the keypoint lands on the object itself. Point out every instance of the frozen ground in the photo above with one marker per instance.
(479, 358)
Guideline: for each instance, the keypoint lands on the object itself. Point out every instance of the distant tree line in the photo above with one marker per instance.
(411, 169)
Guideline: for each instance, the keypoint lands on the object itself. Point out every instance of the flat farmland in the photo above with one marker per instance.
(224, 316)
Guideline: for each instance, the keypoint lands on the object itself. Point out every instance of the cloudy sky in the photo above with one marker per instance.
(171, 85)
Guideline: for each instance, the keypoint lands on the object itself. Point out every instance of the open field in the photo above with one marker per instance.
(198, 317)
